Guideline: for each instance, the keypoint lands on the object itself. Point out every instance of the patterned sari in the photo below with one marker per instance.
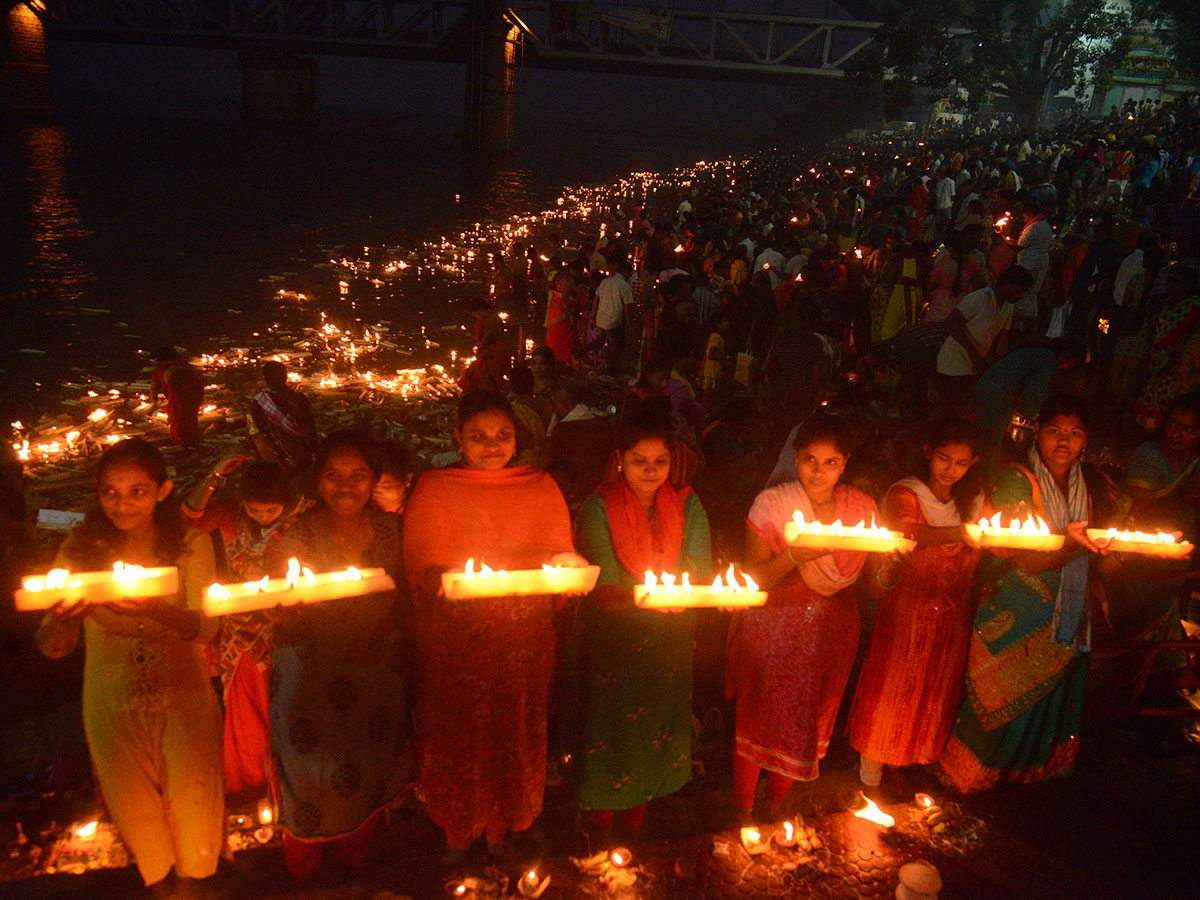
(1175, 324)
(1024, 690)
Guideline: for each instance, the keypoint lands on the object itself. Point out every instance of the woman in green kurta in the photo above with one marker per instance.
(628, 704)
(1031, 644)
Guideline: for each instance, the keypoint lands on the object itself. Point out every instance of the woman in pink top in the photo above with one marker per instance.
(789, 660)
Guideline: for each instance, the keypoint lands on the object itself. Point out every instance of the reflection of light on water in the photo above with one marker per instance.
(54, 218)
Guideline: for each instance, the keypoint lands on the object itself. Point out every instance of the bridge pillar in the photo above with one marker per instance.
(24, 72)
(491, 49)
(278, 89)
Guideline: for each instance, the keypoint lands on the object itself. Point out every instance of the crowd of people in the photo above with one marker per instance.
(901, 331)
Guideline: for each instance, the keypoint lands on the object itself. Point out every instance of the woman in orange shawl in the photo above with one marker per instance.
(483, 668)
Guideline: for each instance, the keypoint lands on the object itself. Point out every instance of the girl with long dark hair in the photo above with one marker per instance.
(909, 688)
(149, 712)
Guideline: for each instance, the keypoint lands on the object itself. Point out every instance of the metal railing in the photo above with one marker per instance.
(666, 40)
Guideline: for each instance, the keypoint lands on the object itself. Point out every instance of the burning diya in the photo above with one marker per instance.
(122, 583)
(299, 586)
(1032, 534)
(667, 594)
(872, 813)
(479, 583)
(1159, 544)
(533, 885)
(753, 840)
(869, 538)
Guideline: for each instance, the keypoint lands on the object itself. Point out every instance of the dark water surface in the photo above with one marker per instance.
(144, 230)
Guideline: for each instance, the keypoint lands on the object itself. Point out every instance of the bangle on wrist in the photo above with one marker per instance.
(795, 561)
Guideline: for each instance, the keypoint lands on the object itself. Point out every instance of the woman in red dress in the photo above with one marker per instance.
(561, 334)
(911, 681)
(789, 660)
(483, 667)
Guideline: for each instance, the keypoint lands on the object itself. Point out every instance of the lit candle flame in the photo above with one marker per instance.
(1033, 525)
(1141, 537)
(837, 529)
(88, 830)
(873, 813)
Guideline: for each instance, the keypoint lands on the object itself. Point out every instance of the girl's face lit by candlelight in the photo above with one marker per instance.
(646, 466)
(487, 440)
(820, 466)
(345, 482)
(1061, 441)
(264, 514)
(391, 491)
(128, 496)
(948, 464)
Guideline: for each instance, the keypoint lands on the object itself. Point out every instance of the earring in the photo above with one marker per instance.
(620, 468)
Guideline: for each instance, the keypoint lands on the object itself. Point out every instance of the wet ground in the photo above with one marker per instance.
(1123, 826)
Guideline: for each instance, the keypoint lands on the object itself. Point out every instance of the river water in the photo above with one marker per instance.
(147, 222)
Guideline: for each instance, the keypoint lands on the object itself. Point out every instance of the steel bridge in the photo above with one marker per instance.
(671, 39)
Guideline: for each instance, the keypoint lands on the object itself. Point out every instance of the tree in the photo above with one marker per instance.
(1015, 49)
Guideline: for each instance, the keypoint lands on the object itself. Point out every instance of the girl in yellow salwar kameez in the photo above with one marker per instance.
(150, 714)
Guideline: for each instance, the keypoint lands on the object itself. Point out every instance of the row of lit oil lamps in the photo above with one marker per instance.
(477, 581)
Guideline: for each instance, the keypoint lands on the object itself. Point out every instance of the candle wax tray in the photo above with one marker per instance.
(1015, 540)
(699, 597)
(94, 587)
(228, 599)
(869, 543)
(520, 582)
(1123, 543)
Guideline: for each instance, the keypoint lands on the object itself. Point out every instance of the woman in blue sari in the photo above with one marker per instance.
(1031, 644)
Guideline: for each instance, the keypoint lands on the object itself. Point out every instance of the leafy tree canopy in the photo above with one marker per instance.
(1017, 49)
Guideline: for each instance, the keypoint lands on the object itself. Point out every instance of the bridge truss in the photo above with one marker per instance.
(605, 36)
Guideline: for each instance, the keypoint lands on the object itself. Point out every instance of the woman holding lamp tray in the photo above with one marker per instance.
(909, 688)
(790, 660)
(1030, 643)
(483, 666)
(341, 740)
(623, 660)
(150, 714)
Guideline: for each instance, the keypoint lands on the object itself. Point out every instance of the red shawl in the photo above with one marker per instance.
(642, 544)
